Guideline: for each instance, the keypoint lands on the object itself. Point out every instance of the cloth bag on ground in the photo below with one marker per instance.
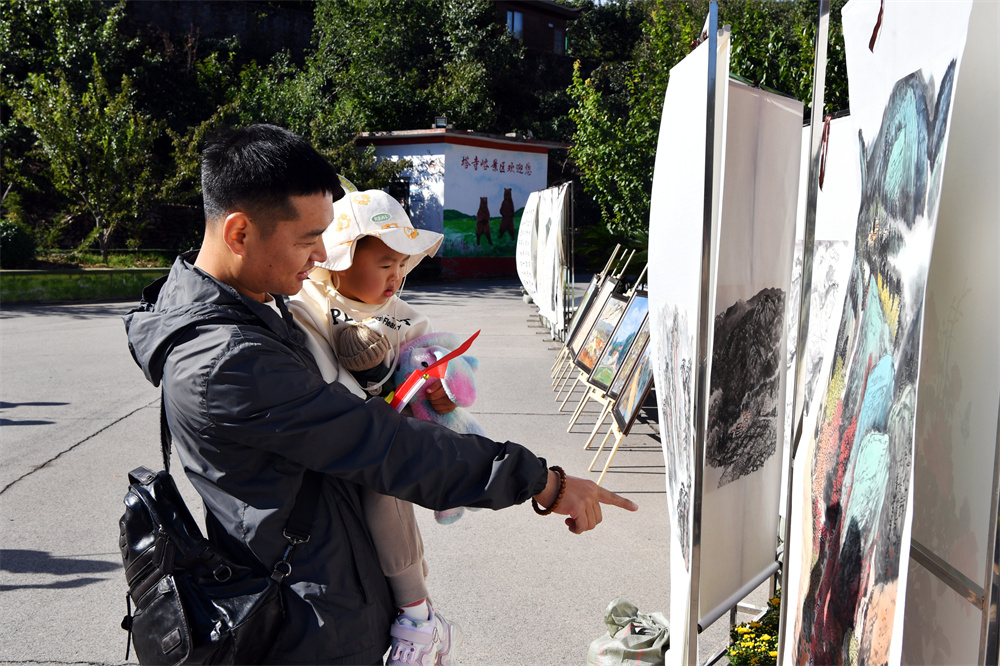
(632, 637)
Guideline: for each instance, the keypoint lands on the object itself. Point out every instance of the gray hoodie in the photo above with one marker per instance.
(250, 413)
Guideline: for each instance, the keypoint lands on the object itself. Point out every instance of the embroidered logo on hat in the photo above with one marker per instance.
(374, 213)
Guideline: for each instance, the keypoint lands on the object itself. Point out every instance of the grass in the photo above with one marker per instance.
(116, 259)
(460, 237)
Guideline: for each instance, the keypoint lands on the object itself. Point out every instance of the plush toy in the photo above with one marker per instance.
(459, 384)
(459, 381)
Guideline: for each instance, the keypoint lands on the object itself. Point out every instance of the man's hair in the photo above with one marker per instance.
(257, 169)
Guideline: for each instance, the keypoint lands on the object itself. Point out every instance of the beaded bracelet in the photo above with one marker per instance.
(562, 491)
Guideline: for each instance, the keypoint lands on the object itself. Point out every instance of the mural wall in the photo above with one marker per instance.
(473, 194)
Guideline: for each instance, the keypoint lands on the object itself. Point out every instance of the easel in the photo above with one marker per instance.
(569, 364)
(594, 393)
(560, 366)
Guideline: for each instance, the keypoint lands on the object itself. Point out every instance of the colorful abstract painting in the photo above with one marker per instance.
(902, 61)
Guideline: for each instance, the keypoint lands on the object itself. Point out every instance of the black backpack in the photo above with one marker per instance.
(193, 603)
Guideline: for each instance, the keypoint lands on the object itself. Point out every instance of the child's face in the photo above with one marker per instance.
(375, 274)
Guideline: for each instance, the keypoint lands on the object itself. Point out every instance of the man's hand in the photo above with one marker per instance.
(581, 502)
(439, 400)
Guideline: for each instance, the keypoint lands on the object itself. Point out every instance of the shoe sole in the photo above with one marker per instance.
(455, 635)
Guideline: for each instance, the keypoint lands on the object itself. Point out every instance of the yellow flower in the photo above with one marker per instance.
(773, 653)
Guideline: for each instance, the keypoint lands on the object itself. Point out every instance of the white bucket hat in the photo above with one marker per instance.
(374, 213)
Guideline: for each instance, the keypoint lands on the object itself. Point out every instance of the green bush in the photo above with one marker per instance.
(17, 247)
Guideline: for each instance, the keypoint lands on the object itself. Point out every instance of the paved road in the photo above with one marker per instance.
(77, 415)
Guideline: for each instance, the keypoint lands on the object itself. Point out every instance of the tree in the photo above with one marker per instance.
(617, 119)
(618, 106)
(396, 64)
(45, 36)
(97, 145)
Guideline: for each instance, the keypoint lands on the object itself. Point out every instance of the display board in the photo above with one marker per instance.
(837, 204)
(855, 504)
(526, 252)
(680, 206)
(551, 263)
(585, 302)
(743, 444)
(959, 388)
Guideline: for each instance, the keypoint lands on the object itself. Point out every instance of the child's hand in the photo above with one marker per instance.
(439, 400)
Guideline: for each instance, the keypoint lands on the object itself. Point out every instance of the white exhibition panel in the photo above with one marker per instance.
(742, 474)
(677, 215)
(837, 202)
(526, 253)
(959, 390)
(550, 275)
(854, 514)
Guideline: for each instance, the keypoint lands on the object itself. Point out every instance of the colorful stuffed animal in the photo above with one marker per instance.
(459, 384)
(459, 380)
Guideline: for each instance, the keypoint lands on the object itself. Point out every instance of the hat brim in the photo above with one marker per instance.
(341, 257)
(374, 213)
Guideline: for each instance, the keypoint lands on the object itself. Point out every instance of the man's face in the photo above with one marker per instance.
(280, 262)
(375, 273)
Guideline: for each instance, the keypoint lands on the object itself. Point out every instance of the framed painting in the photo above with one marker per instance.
(601, 332)
(581, 311)
(634, 352)
(633, 394)
(614, 352)
(579, 335)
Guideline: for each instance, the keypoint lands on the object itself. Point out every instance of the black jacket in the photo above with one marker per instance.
(250, 413)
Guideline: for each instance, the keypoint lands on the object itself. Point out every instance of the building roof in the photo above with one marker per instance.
(459, 137)
(550, 7)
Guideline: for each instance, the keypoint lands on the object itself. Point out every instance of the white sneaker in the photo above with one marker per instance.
(429, 642)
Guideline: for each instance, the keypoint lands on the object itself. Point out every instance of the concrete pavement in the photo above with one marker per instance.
(77, 415)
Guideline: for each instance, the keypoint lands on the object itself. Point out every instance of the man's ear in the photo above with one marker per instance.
(234, 232)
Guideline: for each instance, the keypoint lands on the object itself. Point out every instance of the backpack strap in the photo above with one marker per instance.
(303, 512)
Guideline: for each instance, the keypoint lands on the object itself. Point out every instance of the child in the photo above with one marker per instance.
(371, 246)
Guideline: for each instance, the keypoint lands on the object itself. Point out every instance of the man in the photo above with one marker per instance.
(250, 412)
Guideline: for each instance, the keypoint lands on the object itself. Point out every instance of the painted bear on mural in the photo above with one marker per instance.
(507, 216)
(483, 222)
